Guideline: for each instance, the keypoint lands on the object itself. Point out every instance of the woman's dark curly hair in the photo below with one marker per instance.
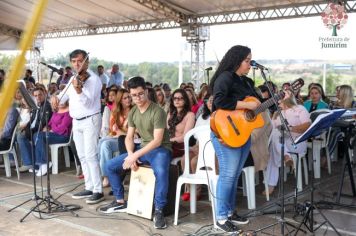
(175, 117)
(230, 62)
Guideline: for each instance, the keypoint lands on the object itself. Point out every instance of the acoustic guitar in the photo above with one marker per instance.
(234, 127)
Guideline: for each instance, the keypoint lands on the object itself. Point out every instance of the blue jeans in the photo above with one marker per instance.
(40, 144)
(107, 146)
(231, 163)
(159, 159)
(25, 148)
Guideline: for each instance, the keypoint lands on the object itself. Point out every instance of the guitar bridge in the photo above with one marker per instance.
(233, 125)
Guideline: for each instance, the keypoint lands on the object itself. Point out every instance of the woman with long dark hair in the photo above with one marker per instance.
(230, 87)
(203, 119)
(117, 130)
(179, 120)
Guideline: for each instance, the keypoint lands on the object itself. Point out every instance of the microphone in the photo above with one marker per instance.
(51, 67)
(259, 66)
(209, 68)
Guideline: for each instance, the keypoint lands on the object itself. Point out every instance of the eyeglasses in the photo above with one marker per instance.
(136, 96)
(178, 98)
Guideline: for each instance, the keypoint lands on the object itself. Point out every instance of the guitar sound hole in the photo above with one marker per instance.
(250, 115)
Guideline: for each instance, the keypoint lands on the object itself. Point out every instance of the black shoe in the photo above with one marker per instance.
(235, 218)
(95, 198)
(228, 227)
(114, 206)
(158, 220)
(82, 194)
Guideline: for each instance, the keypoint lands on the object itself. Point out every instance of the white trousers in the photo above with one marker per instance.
(86, 135)
(274, 161)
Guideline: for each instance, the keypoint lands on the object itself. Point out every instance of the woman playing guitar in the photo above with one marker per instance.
(230, 87)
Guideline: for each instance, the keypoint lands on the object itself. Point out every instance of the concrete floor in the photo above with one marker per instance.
(91, 222)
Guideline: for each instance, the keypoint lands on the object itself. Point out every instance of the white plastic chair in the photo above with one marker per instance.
(248, 186)
(205, 172)
(5, 155)
(314, 149)
(316, 145)
(54, 154)
(257, 182)
(301, 160)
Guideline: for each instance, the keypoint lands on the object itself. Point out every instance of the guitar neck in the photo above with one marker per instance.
(268, 103)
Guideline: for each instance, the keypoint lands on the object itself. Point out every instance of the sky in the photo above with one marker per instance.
(280, 39)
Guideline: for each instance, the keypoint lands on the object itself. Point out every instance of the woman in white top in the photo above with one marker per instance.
(298, 119)
(104, 132)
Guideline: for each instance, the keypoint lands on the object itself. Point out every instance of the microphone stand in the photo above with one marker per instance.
(48, 199)
(207, 73)
(284, 128)
(33, 107)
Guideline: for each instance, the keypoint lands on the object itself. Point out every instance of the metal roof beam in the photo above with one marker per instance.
(110, 29)
(164, 9)
(253, 15)
(262, 14)
(7, 30)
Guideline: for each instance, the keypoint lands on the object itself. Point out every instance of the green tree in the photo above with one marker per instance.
(331, 83)
(5, 62)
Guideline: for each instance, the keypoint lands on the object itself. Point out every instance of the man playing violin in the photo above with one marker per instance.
(83, 94)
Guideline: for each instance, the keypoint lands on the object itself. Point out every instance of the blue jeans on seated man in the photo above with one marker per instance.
(40, 144)
(106, 148)
(159, 159)
(25, 148)
(231, 163)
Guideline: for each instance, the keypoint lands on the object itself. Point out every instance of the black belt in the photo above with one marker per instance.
(85, 117)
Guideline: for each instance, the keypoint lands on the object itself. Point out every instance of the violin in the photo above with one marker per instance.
(81, 77)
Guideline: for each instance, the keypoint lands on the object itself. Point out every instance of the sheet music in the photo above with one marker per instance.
(28, 98)
(349, 113)
(321, 123)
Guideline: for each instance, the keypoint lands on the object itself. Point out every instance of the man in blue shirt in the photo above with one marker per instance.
(116, 76)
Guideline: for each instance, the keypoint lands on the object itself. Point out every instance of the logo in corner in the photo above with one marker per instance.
(334, 17)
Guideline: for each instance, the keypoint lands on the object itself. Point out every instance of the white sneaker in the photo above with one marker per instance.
(31, 170)
(25, 168)
(43, 169)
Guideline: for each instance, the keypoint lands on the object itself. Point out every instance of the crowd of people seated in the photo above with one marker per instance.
(161, 118)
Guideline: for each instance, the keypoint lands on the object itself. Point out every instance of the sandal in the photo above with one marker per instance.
(186, 196)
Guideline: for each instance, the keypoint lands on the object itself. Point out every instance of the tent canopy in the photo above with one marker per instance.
(67, 18)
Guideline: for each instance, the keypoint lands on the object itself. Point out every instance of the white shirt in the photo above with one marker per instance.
(104, 78)
(104, 132)
(88, 102)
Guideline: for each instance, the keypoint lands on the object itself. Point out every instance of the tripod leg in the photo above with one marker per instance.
(19, 205)
(303, 222)
(327, 221)
(33, 209)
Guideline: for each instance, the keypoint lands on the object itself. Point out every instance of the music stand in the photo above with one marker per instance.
(321, 123)
(33, 108)
(347, 128)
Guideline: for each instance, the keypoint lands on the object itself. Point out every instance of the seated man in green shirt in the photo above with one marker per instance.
(149, 120)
